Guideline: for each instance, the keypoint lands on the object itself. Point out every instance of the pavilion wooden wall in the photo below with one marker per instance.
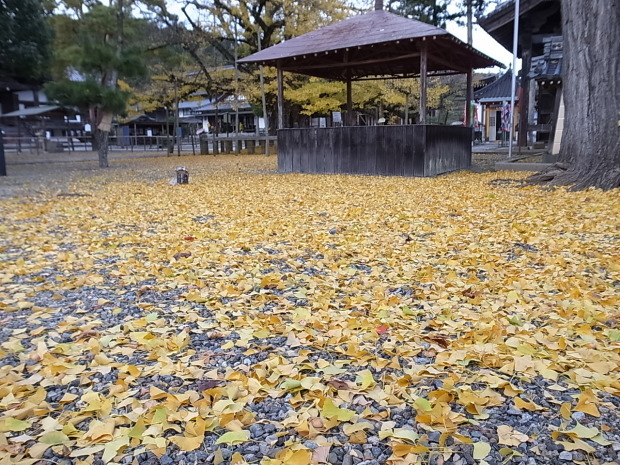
(412, 150)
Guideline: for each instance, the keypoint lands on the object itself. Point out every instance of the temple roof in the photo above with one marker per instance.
(549, 65)
(497, 91)
(537, 18)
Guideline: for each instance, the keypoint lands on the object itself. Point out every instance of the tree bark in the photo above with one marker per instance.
(104, 120)
(102, 138)
(591, 139)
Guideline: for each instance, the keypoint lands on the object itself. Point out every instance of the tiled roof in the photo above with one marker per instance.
(549, 65)
(371, 28)
(497, 91)
(32, 111)
(372, 44)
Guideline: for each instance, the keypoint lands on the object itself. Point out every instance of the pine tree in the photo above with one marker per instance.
(91, 57)
(25, 41)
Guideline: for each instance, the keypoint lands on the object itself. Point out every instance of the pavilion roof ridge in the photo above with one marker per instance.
(372, 45)
(373, 27)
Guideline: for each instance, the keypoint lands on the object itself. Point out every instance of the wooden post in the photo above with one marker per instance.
(176, 118)
(2, 159)
(469, 97)
(191, 134)
(280, 98)
(237, 148)
(406, 108)
(423, 80)
(168, 151)
(524, 98)
(349, 119)
(262, 94)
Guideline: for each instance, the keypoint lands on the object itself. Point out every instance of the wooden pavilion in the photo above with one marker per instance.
(375, 45)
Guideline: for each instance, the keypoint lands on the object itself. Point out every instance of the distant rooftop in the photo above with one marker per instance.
(497, 91)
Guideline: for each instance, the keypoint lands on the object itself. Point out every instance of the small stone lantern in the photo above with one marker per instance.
(182, 175)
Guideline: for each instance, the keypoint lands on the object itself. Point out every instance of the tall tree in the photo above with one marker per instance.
(220, 22)
(433, 12)
(273, 20)
(439, 12)
(25, 41)
(90, 59)
(590, 149)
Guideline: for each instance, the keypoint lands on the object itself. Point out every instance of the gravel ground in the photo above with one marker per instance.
(72, 305)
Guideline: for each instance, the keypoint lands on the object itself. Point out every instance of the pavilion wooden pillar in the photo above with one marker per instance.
(469, 97)
(423, 79)
(280, 98)
(349, 118)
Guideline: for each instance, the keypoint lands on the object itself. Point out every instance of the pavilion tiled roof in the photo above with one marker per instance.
(376, 43)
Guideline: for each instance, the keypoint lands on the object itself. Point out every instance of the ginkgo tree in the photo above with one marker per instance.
(222, 23)
(394, 97)
(271, 22)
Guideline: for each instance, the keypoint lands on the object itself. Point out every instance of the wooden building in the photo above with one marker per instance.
(540, 49)
(374, 45)
(219, 113)
(493, 98)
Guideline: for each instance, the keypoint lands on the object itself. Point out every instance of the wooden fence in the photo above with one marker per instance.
(412, 150)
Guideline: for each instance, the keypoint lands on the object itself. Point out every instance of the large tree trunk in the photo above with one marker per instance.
(590, 149)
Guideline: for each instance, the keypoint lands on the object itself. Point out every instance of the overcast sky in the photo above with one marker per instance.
(483, 42)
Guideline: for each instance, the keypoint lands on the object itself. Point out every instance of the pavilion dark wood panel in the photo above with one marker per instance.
(373, 45)
(408, 150)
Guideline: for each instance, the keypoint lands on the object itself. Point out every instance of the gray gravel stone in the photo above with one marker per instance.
(271, 438)
(256, 430)
(263, 448)
(578, 416)
(566, 455)
(434, 436)
(272, 451)
(578, 456)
